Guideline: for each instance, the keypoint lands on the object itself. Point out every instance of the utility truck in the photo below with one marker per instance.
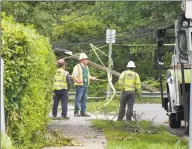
(176, 101)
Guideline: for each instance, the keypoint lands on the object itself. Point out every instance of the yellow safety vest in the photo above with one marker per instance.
(60, 80)
(78, 73)
(187, 73)
(129, 81)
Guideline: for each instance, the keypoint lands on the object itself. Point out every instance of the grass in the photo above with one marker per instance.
(113, 106)
(143, 100)
(94, 106)
(138, 100)
(138, 135)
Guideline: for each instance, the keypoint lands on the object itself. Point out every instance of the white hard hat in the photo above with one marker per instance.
(131, 64)
(83, 56)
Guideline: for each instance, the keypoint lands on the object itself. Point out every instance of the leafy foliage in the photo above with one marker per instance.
(26, 13)
(29, 67)
(29, 60)
(74, 25)
(140, 29)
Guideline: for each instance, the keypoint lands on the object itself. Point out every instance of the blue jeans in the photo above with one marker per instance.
(80, 97)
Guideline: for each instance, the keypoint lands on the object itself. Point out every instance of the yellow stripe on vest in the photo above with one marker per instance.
(60, 80)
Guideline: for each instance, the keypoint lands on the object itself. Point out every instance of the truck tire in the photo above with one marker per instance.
(172, 118)
(173, 123)
(186, 128)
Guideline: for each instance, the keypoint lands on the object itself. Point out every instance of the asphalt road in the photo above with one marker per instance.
(157, 114)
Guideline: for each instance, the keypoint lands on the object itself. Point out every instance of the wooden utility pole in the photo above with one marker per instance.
(113, 72)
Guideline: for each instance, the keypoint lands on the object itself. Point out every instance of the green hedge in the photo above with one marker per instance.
(6, 142)
(29, 69)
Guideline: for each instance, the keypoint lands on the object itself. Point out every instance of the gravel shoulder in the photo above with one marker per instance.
(80, 130)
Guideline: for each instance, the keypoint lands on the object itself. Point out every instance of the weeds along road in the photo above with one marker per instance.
(155, 113)
(79, 128)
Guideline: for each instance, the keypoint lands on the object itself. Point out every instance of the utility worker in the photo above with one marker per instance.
(81, 78)
(129, 82)
(61, 85)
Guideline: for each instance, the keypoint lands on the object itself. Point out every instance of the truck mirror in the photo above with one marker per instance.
(160, 44)
(183, 58)
(161, 52)
(182, 41)
(188, 10)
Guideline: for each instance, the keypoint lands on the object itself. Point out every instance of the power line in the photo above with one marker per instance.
(126, 31)
(132, 12)
(102, 40)
(132, 31)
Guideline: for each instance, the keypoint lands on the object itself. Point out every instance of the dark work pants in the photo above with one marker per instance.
(63, 96)
(127, 99)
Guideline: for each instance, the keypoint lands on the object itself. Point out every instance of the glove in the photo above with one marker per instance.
(93, 78)
(138, 93)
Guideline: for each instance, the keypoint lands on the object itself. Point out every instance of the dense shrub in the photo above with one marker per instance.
(6, 142)
(29, 68)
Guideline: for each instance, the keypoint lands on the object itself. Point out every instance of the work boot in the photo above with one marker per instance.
(65, 117)
(54, 117)
(85, 114)
(76, 114)
(119, 119)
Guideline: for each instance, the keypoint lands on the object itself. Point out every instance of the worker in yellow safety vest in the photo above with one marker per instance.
(129, 83)
(81, 78)
(61, 85)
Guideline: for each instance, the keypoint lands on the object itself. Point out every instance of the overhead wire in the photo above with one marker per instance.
(140, 35)
(86, 52)
(117, 39)
(102, 38)
(146, 33)
(129, 22)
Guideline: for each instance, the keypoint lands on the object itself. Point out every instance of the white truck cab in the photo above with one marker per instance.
(178, 80)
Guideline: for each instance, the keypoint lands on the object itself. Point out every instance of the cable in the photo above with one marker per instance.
(138, 35)
(85, 52)
(127, 31)
(109, 76)
(129, 22)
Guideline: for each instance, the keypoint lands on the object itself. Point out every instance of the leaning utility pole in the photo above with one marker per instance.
(113, 72)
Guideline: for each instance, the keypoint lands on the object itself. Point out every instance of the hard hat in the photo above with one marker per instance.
(131, 64)
(82, 56)
(60, 62)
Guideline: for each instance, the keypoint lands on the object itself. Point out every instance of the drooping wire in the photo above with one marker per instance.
(86, 52)
(109, 76)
